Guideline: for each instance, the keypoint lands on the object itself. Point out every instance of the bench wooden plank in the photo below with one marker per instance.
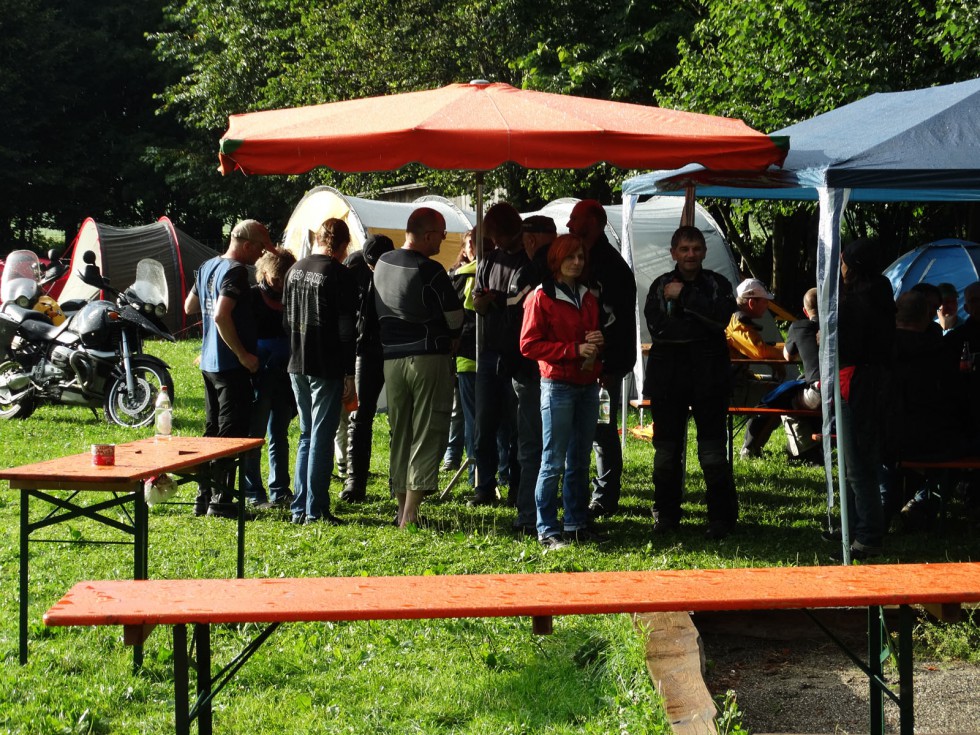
(161, 602)
(767, 411)
(963, 463)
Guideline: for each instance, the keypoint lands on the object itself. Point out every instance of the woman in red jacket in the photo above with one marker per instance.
(561, 332)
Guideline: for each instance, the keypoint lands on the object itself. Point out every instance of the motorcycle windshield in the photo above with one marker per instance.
(150, 286)
(20, 264)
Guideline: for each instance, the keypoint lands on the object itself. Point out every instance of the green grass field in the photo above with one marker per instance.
(469, 676)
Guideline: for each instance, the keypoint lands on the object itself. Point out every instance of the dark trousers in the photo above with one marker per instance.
(608, 483)
(696, 384)
(228, 398)
(369, 379)
(495, 408)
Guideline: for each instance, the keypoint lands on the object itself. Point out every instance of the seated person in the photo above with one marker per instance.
(948, 315)
(934, 301)
(803, 344)
(744, 336)
(918, 406)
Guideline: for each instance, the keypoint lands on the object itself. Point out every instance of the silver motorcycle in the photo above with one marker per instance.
(93, 358)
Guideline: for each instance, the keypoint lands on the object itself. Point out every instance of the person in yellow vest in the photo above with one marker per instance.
(745, 340)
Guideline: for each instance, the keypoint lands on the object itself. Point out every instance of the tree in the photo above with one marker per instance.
(773, 64)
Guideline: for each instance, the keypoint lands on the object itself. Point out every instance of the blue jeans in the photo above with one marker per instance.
(272, 412)
(318, 403)
(467, 400)
(529, 439)
(457, 429)
(569, 414)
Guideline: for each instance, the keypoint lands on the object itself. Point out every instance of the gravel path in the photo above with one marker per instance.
(805, 684)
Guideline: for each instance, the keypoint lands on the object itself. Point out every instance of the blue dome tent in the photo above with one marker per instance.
(944, 261)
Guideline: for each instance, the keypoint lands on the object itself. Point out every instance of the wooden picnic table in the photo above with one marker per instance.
(122, 482)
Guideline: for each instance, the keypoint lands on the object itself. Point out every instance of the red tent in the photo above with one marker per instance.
(478, 126)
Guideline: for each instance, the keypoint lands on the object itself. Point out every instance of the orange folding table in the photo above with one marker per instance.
(117, 486)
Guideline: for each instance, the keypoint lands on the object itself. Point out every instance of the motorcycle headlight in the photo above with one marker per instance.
(161, 309)
(148, 308)
(22, 301)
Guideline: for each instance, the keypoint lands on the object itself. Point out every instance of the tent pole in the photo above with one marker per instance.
(687, 214)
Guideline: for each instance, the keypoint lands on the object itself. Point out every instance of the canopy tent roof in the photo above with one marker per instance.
(479, 126)
(920, 145)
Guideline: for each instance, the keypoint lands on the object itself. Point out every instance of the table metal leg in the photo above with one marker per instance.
(182, 720)
(906, 704)
(876, 724)
(240, 464)
(202, 634)
(141, 555)
(24, 566)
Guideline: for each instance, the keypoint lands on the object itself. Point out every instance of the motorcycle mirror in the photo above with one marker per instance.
(91, 274)
(53, 255)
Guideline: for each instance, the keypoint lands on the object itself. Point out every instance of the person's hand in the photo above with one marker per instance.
(250, 362)
(588, 351)
(596, 338)
(672, 291)
(483, 300)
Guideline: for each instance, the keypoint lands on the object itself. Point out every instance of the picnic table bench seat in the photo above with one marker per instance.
(140, 605)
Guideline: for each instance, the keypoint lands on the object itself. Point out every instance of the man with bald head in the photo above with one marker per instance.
(612, 282)
(228, 346)
(420, 319)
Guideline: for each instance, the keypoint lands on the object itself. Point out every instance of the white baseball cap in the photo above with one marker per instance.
(753, 288)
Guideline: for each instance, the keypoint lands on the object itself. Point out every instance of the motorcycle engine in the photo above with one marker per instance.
(92, 324)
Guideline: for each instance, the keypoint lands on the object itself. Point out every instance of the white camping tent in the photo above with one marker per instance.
(370, 217)
(653, 223)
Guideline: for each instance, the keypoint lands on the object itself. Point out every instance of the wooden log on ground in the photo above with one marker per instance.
(675, 660)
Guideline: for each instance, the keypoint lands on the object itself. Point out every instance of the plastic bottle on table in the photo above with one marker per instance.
(163, 415)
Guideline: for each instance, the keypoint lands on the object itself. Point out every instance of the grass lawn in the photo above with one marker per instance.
(469, 676)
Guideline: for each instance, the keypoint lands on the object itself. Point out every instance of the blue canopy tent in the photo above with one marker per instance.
(921, 145)
(944, 261)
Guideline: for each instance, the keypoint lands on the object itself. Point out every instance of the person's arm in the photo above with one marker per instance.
(229, 334)
(655, 308)
(192, 304)
(749, 342)
(536, 343)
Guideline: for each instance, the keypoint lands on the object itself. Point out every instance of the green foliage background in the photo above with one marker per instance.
(114, 110)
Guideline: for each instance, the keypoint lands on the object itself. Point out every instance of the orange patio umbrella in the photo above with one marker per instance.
(479, 126)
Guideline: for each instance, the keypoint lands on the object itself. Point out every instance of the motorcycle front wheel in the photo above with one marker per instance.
(136, 410)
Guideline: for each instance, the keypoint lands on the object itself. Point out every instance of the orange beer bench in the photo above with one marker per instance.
(141, 605)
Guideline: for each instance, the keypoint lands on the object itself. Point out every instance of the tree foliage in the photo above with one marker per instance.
(114, 110)
(776, 63)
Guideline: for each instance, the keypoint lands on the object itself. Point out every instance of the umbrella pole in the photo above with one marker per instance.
(478, 236)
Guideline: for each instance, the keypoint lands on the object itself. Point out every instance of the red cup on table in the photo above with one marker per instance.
(103, 455)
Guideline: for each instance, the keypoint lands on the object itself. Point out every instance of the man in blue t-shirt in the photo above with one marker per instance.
(228, 345)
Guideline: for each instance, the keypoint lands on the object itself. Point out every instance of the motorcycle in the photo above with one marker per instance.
(95, 357)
